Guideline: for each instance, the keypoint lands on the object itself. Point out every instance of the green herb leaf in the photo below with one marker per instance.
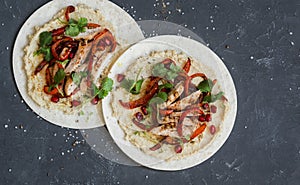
(105, 88)
(102, 93)
(127, 84)
(205, 85)
(77, 77)
(75, 27)
(161, 71)
(59, 76)
(107, 84)
(166, 85)
(46, 51)
(45, 38)
(163, 96)
(64, 62)
(136, 88)
(212, 98)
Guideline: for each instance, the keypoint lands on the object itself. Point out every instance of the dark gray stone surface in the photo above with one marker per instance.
(258, 41)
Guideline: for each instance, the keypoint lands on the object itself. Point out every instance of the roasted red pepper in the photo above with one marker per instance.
(143, 101)
(187, 65)
(56, 45)
(92, 25)
(40, 66)
(58, 31)
(165, 112)
(198, 131)
(69, 10)
(184, 114)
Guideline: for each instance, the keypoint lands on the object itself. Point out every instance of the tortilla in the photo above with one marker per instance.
(110, 16)
(143, 139)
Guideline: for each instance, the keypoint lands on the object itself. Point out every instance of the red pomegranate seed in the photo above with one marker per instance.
(208, 117)
(202, 118)
(212, 129)
(95, 100)
(205, 106)
(144, 110)
(120, 77)
(54, 99)
(213, 109)
(139, 116)
(178, 149)
(76, 103)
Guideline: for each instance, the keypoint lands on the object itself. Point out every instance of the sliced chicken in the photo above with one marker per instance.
(186, 101)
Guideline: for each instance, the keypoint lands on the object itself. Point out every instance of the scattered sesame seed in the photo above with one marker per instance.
(5, 126)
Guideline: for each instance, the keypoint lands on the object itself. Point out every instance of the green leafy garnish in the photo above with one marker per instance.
(64, 62)
(45, 39)
(104, 89)
(213, 97)
(75, 27)
(162, 95)
(206, 85)
(133, 86)
(161, 71)
(77, 77)
(58, 77)
(166, 85)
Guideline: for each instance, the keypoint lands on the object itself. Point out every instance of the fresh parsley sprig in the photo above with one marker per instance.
(206, 86)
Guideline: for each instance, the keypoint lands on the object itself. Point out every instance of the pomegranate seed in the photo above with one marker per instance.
(144, 110)
(205, 106)
(95, 100)
(76, 103)
(208, 117)
(212, 129)
(54, 99)
(139, 116)
(213, 109)
(178, 149)
(120, 77)
(202, 118)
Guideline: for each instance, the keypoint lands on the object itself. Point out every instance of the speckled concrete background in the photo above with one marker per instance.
(260, 44)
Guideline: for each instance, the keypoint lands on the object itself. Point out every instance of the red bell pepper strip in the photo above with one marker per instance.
(198, 131)
(69, 10)
(92, 25)
(165, 112)
(40, 66)
(202, 75)
(187, 66)
(156, 147)
(143, 101)
(47, 90)
(184, 114)
(56, 44)
(58, 31)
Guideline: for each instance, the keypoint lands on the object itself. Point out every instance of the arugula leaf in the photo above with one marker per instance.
(205, 85)
(75, 27)
(45, 38)
(212, 98)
